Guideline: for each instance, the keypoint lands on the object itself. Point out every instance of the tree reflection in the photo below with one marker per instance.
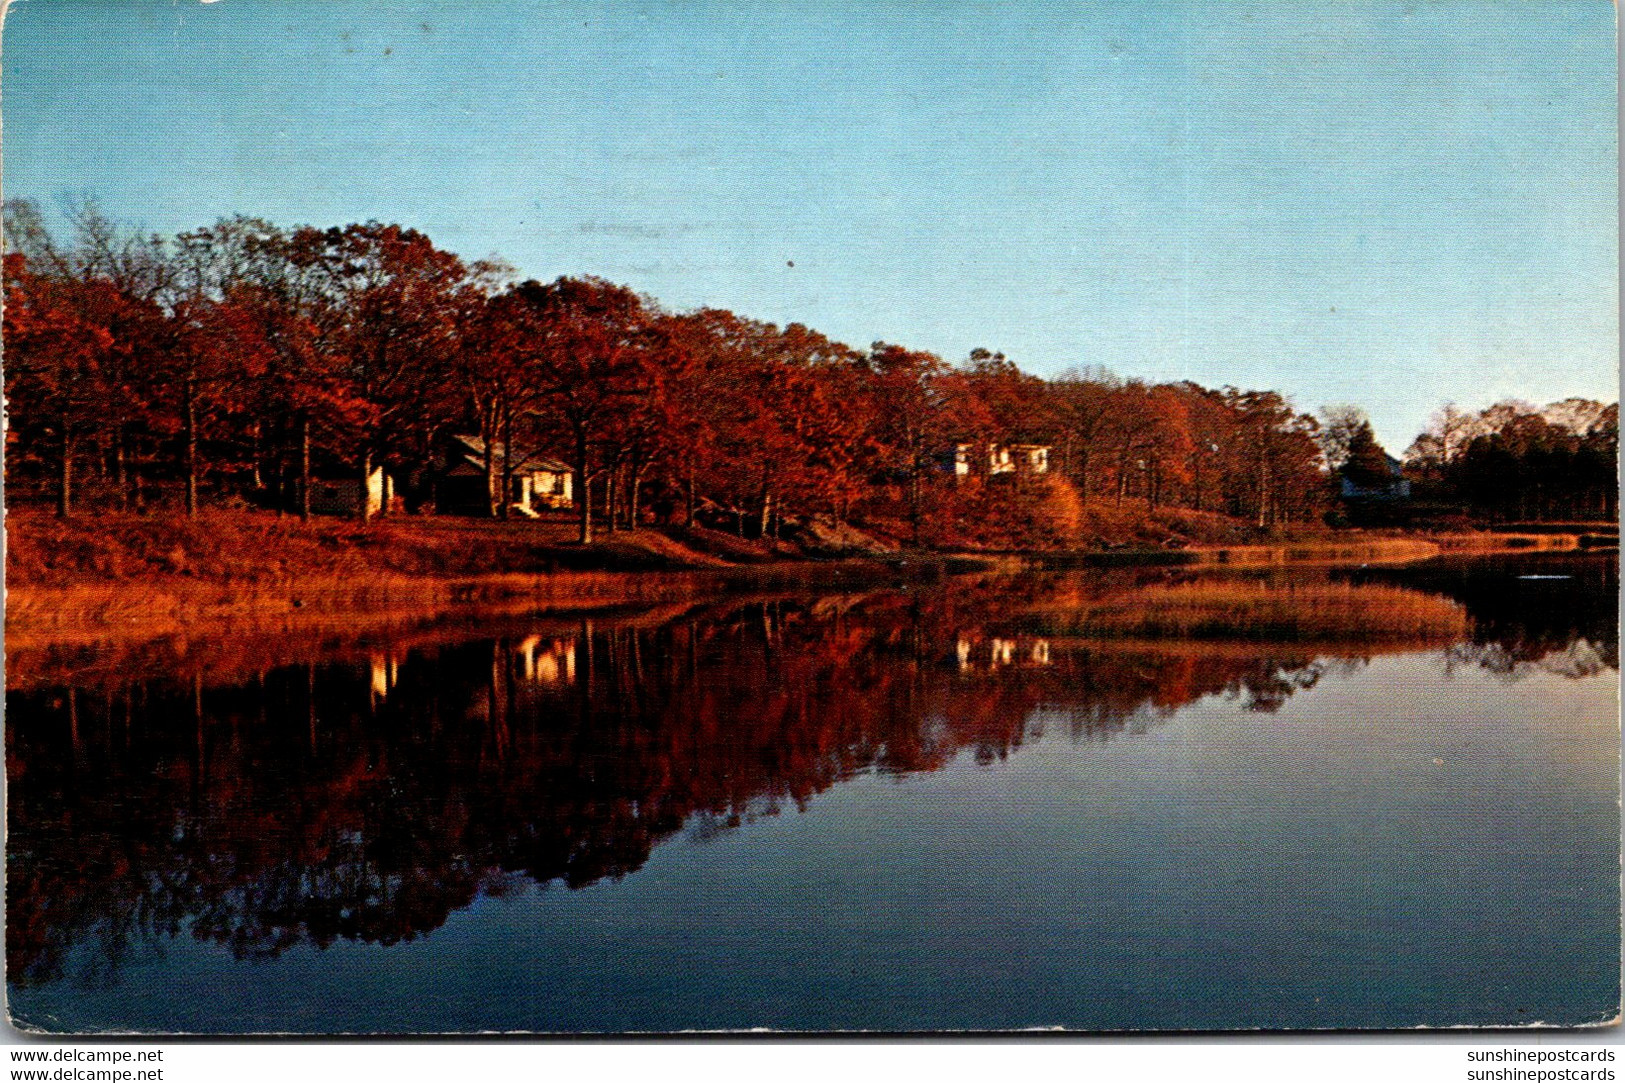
(1550, 611)
(368, 795)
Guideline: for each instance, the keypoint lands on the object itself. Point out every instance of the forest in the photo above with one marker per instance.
(228, 366)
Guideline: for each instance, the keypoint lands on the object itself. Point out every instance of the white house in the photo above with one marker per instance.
(1023, 459)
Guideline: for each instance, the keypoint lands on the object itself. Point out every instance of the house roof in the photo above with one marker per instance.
(1014, 445)
(472, 450)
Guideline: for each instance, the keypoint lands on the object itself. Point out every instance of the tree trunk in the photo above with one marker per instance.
(583, 491)
(121, 470)
(138, 496)
(190, 390)
(632, 499)
(364, 503)
(506, 495)
(767, 511)
(256, 460)
(280, 495)
(611, 509)
(490, 462)
(914, 496)
(1264, 511)
(304, 466)
(64, 489)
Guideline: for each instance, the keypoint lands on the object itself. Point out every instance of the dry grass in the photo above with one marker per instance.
(1329, 551)
(130, 578)
(239, 547)
(131, 574)
(1243, 610)
(1496, 542)
(163, 607)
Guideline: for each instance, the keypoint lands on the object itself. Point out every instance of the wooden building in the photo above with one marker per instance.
(336, 493)
(534, 482)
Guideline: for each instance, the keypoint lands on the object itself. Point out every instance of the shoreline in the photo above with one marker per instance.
(90, 613)
(137, 579)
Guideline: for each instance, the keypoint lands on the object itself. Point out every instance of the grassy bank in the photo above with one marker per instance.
(1237, 609)
(1340, 550)
(251, 547)
(232, 572)
(1344, 547)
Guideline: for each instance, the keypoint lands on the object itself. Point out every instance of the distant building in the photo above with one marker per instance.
(534, 482)
(1389, 486)
(994, 458)
(335, 493)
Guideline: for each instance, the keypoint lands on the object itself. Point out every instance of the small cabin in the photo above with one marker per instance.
(994, 458)
(534, 482)
(335, 493)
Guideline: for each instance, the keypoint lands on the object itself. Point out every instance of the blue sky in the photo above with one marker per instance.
(1393, 204)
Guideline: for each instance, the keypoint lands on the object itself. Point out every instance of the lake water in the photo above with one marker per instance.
(894, 810)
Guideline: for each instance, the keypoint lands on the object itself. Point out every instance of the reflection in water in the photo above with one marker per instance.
(1525, 609)
(367, 800)
(366, 797)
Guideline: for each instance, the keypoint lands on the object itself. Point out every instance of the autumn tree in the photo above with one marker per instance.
(106, 283)
(56, 363)
(589, 344)
(1274, 474)
(1082, 404)
(910, 419)
(1365, 463)
(253, 337)
(388, 305)
(1339, 425)
(1515, 460)
(1213, 427)
(783, 437)
(650, 431)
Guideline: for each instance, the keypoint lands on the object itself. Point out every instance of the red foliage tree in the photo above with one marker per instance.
(591, 347)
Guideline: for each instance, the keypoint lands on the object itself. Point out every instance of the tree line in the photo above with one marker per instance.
(1518, 462)
(229, 364)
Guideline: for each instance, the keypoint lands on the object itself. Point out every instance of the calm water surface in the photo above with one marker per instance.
(896, 810)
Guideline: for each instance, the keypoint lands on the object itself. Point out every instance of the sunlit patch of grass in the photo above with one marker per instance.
(167, 606)
(1498, 542)
(1370, 551)
(133, 575)
(1240, 609)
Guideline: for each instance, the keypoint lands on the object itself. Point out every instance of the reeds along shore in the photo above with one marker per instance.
(135, 576)
(145, 576)
(1317, 612)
